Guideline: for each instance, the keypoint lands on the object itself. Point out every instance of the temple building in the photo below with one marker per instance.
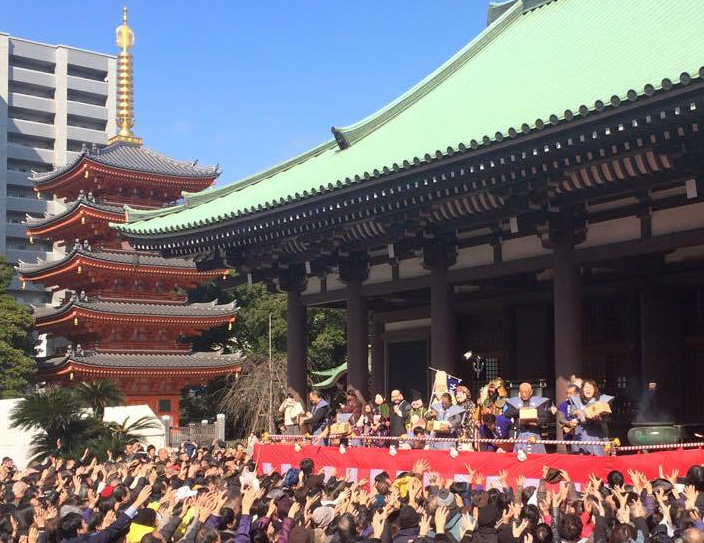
(123, 314)
(538, 199)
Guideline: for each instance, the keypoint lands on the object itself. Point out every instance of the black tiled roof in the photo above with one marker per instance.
(208, 309)
(134, 157)
(146, 360)
(34, 222)
(133, 258)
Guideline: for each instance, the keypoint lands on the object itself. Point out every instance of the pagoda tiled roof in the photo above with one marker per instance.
(184, 310)
(191, 361)
(132, 157)
(130, 258)
(47, 219)
(537, 64)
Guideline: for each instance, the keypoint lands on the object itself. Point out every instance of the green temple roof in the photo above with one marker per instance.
(539, 62)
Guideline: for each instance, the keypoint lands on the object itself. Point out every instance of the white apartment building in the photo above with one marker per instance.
(53, 100)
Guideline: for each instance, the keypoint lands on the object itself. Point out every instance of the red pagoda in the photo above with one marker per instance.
(124, 313)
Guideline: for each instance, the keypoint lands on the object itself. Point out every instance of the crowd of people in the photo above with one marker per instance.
(454, 419)
(213, 494)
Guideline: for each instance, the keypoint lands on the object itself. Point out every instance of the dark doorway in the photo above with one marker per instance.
(408, 367)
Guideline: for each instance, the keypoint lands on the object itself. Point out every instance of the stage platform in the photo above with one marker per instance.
(366, 463)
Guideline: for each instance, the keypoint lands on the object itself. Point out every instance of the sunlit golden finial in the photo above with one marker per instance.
(125, 84)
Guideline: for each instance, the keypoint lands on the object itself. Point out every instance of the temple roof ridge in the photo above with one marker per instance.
(134, 258)
(70, 208)
(141, 308)
(195, 360)
(539, 64)
(133, 157)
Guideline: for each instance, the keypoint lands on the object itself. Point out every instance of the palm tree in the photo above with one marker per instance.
(57, 415)
(100, 394)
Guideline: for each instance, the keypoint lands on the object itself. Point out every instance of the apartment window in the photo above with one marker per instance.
(30, 89)
(87, 73)
(35, 142)
(32, 64)
(86, 122)
(30, 115)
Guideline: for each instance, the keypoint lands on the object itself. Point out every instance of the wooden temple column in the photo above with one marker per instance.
(378, 356)
(567, 308)
(353, 272)
(438, 256)
(293, 282)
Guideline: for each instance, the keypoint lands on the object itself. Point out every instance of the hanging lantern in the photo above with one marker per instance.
(83, 220)
(75, 321)
(70, 376)
(80, 269)
(31, 239)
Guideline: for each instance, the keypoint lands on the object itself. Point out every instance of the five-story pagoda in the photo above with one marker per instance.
(124, 313)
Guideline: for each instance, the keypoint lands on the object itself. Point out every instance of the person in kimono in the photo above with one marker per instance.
(464, 400)
(566, 417)
(318, 417)
(417, 415)
(527, 429)
(450, 414)
(594, 428)
(495, 427)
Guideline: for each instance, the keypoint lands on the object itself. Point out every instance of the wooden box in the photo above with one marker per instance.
(438, 426)
(597, 409)
(341, 428)
(528, 414)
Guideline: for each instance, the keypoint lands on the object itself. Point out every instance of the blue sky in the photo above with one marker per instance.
(248, 83)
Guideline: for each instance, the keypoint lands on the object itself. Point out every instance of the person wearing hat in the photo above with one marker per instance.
(408, 524)
(417, 415)
(321, 518)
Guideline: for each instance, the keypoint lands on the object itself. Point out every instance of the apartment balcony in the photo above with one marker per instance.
(86, 134)
(28, 205)
(35, 103)
(32, 77)
(31, 154)
(87, 110)
(88, 85)
(30, 128)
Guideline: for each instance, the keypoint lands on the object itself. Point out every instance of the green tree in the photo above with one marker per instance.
(246, 408)
(17, 341)
(99, 394)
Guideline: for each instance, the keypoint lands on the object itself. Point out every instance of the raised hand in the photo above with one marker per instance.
(440, 519)
(142, 497)
(294, 510)
(467, 524)
(379, 520)
(503, 477)
(248, 500)
(518, 529)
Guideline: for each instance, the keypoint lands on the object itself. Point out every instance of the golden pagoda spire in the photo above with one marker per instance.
(125, 84)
